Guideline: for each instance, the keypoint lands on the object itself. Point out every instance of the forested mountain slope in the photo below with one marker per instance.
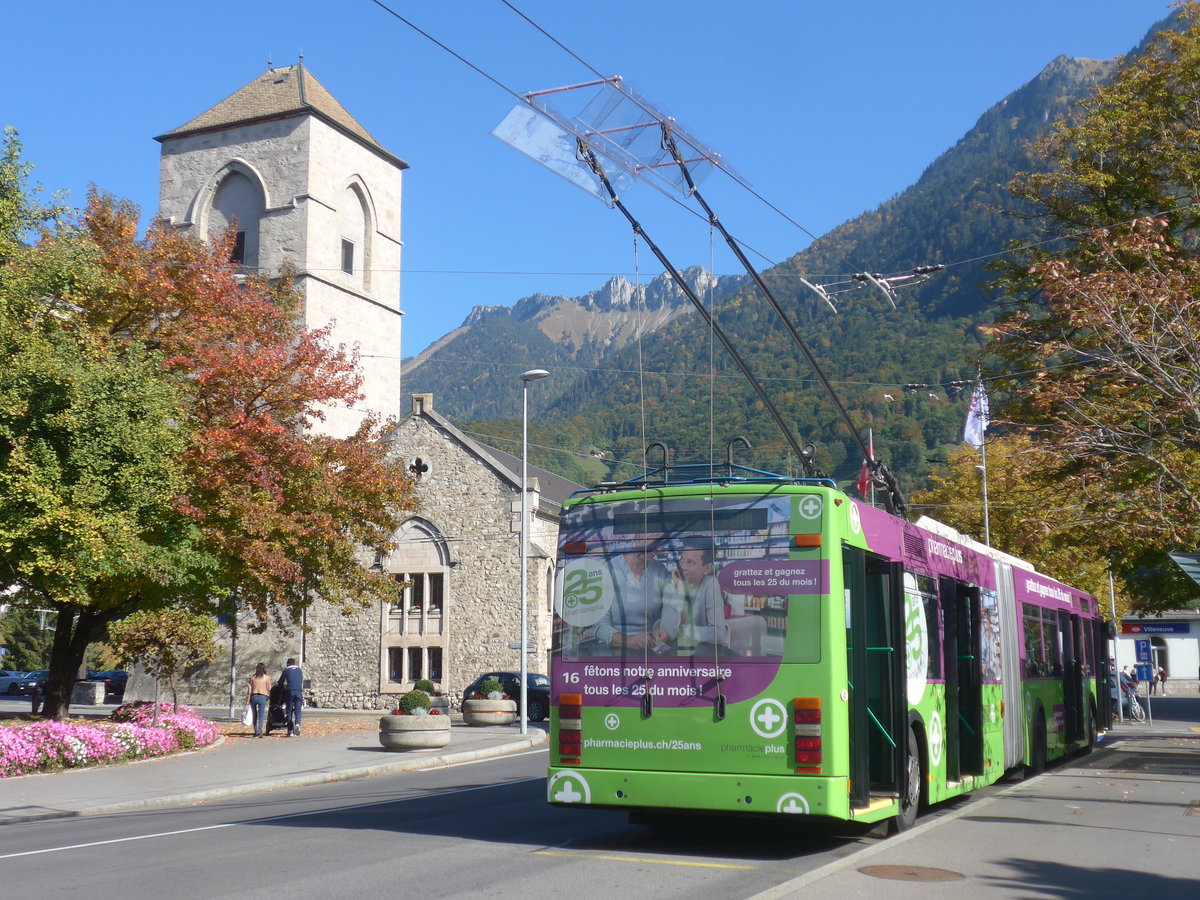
(677, 386)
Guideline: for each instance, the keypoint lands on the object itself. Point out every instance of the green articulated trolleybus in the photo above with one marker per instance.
(741, 642)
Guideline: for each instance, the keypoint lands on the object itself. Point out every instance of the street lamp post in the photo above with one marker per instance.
(526, 377)
(987, 525)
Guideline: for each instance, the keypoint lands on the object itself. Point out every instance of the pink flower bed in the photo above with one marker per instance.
(49, 746)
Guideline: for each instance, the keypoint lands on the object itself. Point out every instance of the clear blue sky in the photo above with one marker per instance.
(826, 109)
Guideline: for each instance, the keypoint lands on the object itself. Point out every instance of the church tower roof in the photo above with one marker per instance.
(281, 93)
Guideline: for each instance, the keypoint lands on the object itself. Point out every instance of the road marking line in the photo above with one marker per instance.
(139, 837)
(312, 812)
(606, 857)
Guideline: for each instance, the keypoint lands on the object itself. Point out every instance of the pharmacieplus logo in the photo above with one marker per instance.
(587, 592)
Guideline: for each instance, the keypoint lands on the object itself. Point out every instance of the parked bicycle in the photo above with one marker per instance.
(1133, 707)
(1136, 712)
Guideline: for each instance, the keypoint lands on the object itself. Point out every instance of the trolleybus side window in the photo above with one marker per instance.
(1043, 642)
(1035, 649)
(1054, 641)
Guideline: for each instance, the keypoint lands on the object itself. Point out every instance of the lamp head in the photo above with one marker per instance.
(534, 375)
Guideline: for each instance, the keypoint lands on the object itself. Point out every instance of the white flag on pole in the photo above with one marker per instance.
(977, 418)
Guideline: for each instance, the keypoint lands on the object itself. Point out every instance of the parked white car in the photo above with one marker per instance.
(10, 680)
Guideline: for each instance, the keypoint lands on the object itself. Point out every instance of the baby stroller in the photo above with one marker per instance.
(277, 708)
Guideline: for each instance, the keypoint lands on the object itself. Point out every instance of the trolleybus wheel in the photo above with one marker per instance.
(1093, 728)
(910, 798)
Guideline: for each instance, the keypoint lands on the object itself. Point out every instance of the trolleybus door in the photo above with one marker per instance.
(875, 657)
(1102, 674)
(964, 678)
(1072, 675)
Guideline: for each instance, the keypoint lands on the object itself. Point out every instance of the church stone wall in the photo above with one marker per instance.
(478, 509)
(469, 502)
(342, 658)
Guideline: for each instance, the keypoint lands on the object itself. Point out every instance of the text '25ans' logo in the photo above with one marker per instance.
(586, 593)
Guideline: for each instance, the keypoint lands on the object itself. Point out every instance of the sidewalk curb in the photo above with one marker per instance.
(1111, 745)
(407, 764)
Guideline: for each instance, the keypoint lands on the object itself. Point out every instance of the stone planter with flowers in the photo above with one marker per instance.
(489, 706)
(437, 700)
(414, 726)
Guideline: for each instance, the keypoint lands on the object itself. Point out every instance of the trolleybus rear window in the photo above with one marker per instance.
(698, 577)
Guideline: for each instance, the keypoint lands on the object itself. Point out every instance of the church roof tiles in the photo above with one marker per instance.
(280, 93)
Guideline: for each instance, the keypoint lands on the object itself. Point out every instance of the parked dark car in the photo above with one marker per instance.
(36, 677)
(114, 682)
(537, 702)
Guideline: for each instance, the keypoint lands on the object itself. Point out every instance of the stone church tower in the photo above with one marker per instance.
(306, 185)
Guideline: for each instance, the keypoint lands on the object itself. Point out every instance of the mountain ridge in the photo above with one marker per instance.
(603, 387)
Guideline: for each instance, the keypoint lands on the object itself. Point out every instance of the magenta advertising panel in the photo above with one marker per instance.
(923, 551)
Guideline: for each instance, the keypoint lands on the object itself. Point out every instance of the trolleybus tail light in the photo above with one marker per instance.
(806, 540)
(570, 729)
(575, 547)
(807, 733)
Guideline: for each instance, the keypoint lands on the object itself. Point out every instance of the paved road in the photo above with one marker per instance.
(468, 831)
(1122, 822)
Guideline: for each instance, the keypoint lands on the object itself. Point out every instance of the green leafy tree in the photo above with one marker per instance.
(90, 438)
(1128, 150)
(21, 212)
(1100, 340)
(165, 643)
(26, 636)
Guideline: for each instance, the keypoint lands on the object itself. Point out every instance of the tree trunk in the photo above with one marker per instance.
(73, 630)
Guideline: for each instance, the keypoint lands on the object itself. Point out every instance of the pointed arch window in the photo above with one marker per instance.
(355, 227)
(238, 199)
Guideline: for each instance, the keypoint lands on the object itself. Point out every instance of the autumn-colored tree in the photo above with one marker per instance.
(1030, 514)
(1100, 342)
(164, 642)
(242, 494)
(285, 510)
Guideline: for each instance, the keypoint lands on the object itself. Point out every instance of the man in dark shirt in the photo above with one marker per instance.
(292, 680)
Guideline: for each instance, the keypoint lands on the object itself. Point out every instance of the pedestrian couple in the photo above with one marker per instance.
(291, 686)
(1160, 681)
